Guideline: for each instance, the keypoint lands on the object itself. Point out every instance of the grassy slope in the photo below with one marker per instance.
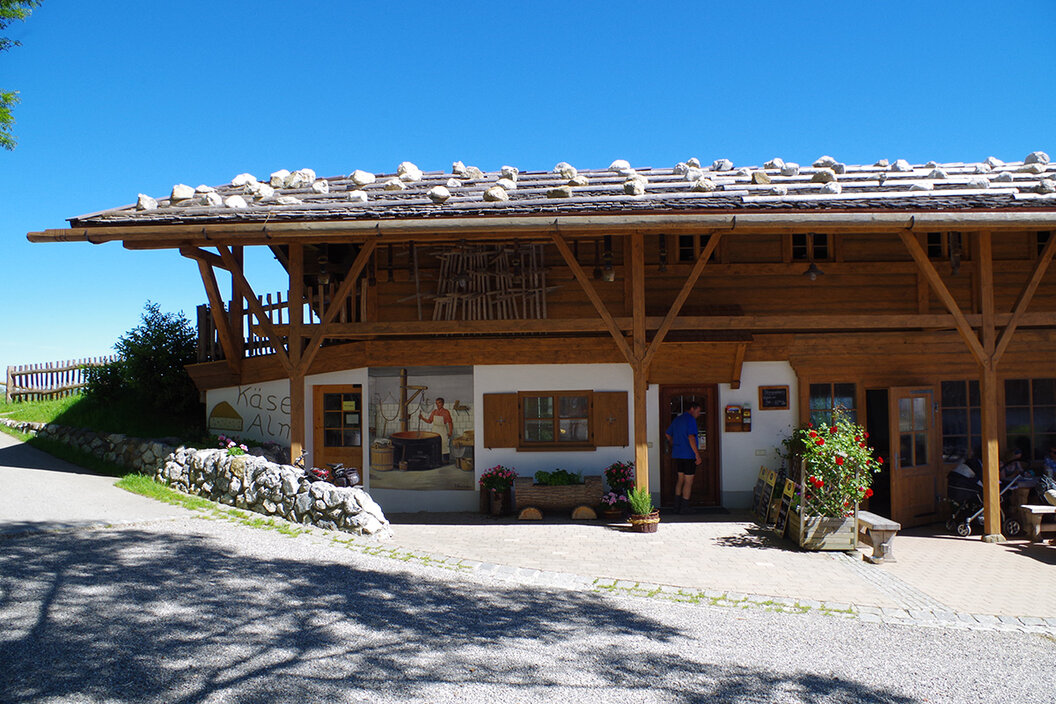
(126, 418)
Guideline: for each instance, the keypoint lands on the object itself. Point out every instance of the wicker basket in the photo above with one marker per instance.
(646, 523)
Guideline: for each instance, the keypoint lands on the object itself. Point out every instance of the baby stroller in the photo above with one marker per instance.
(966, 496)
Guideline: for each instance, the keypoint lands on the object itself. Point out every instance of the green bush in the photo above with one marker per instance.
(150, 373)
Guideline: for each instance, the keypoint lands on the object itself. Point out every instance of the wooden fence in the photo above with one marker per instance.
(34, 382)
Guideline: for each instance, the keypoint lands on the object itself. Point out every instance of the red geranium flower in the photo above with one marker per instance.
(868, 493)
(834, 430)
(813, 434)
(819, 442)
(867, 435)
(880, 460)
(839, 460)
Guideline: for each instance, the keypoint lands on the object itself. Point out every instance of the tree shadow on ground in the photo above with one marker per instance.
(756, 538)
(140, 616)
(25, 456)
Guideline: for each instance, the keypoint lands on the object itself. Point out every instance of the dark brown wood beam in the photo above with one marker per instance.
(243, 287)
(216, 309)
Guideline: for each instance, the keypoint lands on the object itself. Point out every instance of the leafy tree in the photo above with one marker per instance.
(10, 11)
(150, 372)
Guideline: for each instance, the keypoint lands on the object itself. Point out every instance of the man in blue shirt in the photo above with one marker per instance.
(682, 434)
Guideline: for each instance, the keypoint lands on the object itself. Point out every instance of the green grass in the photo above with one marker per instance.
(147, 486)
(117, 417)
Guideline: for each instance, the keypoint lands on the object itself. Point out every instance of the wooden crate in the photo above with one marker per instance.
(820, 533)
(558, 498)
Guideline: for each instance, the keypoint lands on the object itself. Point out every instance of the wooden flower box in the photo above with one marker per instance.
(581, 499)
(822, 533)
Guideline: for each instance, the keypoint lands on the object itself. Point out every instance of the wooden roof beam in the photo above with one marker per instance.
(1025, 297)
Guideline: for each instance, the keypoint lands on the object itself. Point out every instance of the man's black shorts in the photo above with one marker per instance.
(687, 467)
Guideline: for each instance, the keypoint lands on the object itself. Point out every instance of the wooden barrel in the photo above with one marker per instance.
(381, 458)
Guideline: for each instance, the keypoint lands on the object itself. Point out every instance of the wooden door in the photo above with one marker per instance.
(673, 401)
(915, 456)
(337, 412)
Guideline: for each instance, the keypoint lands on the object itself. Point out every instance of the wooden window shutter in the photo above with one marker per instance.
(501, 420)
(610, 419)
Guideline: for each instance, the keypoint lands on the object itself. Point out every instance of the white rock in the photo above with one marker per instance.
(1004, 177)
(288, 200)
(1034, 168)
(406, 167)
(704, 185)
(265, 192)
(202, 188)
(211, 199)
(507, 184)
(472, 172)
(825, 162)
(721, 165)
(780, 190)
(438, 194)
(993, 162)
(882, 163)
(394, 184)
(931, 165)
(1047, 185)
(181, 192)
(937, 174)
(145, 202)
(681, 168)
(565, 170)
(579, 180)
(901, 165)
(301, 178)
(496, 193)
(982, 169)
(693, 174)
(760, 177)
(358, 196)
(979, 182)
(411, 176)
(775, 163)
(831, 187)
(321, 186)
(693, 162)
(840, 167)
(559, 192)
(458, 168)
(453, 183)
(744, 171)
(363, 178)
(922, 186)
(243, 179)
(634, 187)
(509, 172)
(252, 186)
(278, 178)
(235, 202)
(790, 168)
(1036, 158)
(824, 175)
(619, 165)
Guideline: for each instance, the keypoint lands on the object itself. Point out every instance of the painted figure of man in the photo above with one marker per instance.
(442, 425)
(682, 434)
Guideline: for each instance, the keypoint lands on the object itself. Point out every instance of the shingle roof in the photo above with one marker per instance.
(826, 185)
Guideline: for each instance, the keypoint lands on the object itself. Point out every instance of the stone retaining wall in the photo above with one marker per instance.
(250, 482)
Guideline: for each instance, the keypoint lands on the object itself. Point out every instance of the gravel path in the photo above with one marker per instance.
(197, 610)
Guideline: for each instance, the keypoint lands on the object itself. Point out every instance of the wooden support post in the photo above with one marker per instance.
(237, 311)
(220, 320)
(246, 291)
(294, 343)
(638, 294)
(738, 364)
(988, 393)
(641, 427)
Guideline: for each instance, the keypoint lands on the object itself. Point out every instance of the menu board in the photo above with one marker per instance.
(773, 398)
(787, 496)
(764, 494)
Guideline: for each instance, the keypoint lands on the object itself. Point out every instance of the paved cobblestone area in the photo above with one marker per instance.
(729, 561)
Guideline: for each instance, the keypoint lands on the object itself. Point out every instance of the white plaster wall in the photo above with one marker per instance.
(265, 410)
(744, 453)
(559, 377)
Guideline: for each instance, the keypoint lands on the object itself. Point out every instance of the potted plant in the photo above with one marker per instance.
(836, 469)
(558, 490)
(496, 486)
(644, 518)
(620, 478)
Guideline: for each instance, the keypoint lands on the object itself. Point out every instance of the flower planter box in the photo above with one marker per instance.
(822, 533)
(559, 498)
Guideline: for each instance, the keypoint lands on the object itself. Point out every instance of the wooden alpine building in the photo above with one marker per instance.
(588, 306)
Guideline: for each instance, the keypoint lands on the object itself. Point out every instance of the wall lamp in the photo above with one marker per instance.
(813, 272)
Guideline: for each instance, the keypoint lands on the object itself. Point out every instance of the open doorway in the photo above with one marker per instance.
(673, 402)
(878, 425)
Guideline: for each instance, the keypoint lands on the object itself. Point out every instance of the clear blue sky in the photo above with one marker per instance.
(120, 98)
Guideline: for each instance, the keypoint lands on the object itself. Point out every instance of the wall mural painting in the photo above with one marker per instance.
(422, 428)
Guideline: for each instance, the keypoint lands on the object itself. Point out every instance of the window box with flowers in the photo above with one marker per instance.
(836, 467)
(496, 490)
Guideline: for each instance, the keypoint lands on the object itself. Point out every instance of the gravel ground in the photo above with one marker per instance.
(195, 610)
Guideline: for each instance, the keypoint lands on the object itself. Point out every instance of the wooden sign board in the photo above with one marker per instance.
(787, 497)
(764, 494)
(773, 398)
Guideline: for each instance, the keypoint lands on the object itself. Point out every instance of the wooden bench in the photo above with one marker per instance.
(878, 532)
(1033, 515)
